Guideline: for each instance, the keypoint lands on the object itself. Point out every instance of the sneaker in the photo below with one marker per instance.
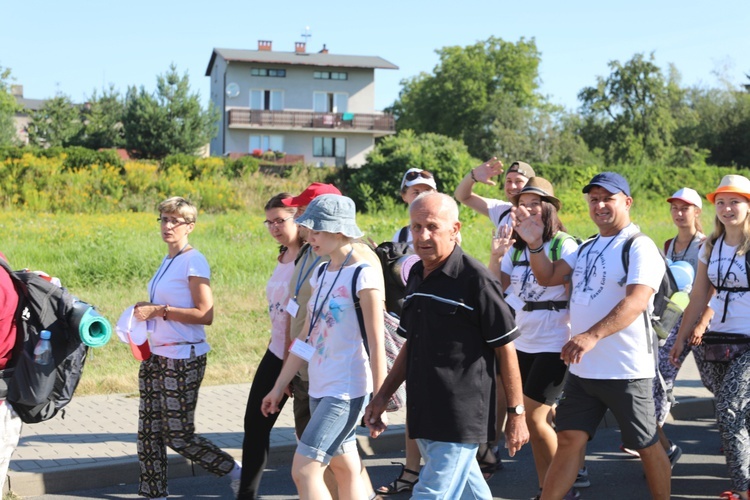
(582, 479)
(572, 495)
(630, 452)
(674, 454)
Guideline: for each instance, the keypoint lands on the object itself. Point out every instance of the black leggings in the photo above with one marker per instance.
(257, 427)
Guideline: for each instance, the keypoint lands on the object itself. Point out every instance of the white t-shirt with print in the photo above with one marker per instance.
(599, 284)
(171, 286)
(277, 294)
(496, 208)
(720, 272)
(541, 330)
(339, 366)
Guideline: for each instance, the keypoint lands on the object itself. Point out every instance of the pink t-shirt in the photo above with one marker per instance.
(277, 293)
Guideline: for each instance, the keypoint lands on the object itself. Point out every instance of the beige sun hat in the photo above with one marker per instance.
(736, 184)
(541, 187)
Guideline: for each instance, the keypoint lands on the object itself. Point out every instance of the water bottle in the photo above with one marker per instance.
(43, 349)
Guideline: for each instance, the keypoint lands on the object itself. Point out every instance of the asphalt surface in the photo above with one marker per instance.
(700, 474)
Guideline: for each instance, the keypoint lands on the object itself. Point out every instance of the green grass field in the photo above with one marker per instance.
(107, 260)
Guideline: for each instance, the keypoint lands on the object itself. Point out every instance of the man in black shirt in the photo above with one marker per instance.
(457, 325)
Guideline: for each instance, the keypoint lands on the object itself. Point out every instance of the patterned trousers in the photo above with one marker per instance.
(169, 394)
(733, 416)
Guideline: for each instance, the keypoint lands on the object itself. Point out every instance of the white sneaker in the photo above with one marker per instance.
(582, 479)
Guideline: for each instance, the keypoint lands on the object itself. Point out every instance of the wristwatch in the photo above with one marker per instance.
(516, 410)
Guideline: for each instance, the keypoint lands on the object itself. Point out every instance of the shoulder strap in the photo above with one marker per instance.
(586, 243)
(403, 235)
(502, 215)
(515, 257)
(322, 269)
(555, 246)
(358, 308)
(626, 250)
(666, 245)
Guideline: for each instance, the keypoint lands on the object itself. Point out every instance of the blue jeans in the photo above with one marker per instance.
(450, 471)
(332, 428)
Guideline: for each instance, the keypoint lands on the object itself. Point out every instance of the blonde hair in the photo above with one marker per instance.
(179, 205)
(719, 231)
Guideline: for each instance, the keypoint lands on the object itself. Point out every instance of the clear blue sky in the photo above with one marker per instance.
(76, 46)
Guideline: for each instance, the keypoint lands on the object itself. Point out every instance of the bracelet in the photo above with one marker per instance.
(537, 250)
(472, 176)
(166, 311)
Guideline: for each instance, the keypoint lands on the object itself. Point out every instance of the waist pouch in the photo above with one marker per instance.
(724, 347)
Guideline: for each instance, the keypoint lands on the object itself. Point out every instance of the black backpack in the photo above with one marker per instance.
(392, 255)
(38, 392)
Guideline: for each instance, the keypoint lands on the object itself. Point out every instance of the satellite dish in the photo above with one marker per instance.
(233, 90)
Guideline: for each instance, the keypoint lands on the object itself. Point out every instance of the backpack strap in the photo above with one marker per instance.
(403, 235)
(666, 245)
(358, 308)
(502, 216)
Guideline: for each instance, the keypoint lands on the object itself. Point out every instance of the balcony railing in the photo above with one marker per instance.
(245, 118)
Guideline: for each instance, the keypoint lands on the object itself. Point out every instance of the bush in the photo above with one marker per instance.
(377, 183)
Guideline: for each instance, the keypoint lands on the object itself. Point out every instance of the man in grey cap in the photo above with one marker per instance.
(610, 354)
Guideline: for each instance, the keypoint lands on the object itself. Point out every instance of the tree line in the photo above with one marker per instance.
(485, 96)
(150, 125)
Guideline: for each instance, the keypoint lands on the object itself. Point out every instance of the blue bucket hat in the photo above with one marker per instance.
(612, 182)
(331, 213)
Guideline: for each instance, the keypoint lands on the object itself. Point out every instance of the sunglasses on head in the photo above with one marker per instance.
(410, 176)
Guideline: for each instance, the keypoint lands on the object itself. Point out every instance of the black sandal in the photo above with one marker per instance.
(489, 468)
(399, 485)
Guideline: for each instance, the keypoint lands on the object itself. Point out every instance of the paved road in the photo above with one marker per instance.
(700, 474)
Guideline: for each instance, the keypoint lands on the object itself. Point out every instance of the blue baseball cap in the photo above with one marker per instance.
(612, 182)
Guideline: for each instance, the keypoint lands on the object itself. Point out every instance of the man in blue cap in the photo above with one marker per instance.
(610, 353)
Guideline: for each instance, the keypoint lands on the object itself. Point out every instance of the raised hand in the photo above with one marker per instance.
(483, 173)
(501, 241)
(528, 228)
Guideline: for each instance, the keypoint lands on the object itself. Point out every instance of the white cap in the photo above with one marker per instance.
(414, 176)
(688, 196)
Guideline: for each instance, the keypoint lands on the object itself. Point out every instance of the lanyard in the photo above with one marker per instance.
(302, 277)
(158, 276)
(723, 282)
(316, 311)
(590, 268)
(677, 258)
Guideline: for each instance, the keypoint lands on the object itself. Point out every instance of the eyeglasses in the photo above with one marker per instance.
(164, 221)
(276, 222)
(410, 176)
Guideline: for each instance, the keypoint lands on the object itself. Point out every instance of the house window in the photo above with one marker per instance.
(279, 73)
(269, 100)
(331, 75)
(329, 146)
(330, 102)
(266, 142)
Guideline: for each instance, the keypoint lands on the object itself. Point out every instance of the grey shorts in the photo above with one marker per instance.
(585, 401)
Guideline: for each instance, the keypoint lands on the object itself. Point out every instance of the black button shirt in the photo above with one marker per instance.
(453, 320)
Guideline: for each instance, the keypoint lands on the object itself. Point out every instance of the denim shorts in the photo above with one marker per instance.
(332, 428)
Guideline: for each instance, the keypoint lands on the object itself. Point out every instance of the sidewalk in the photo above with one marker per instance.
(93, 446)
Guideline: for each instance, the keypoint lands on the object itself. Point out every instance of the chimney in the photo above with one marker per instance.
(264, 45)
(324, 50)
(16, 90)
(299, 47)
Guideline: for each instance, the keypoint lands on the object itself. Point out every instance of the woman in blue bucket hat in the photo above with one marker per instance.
(341, 375)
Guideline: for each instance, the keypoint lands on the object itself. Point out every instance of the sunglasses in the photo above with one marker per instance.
(410, 176)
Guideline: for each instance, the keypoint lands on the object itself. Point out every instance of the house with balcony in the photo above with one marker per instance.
(319, 106)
